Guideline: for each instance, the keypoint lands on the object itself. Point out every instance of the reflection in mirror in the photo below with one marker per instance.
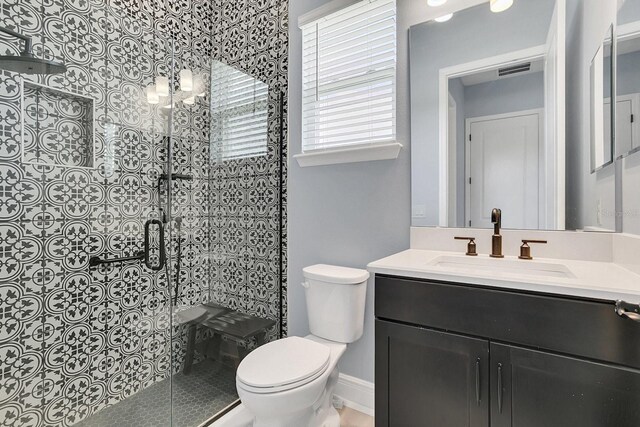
(628, 78)
(628, 110)
(601, 109)
(488, 102)
(503, 113)
(239, 114)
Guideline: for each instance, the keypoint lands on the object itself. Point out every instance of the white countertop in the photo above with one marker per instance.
(590, 279)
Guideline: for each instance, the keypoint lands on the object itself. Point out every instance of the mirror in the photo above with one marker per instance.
(601, 84)
(627, 139)
(488, 117)
(628, 78)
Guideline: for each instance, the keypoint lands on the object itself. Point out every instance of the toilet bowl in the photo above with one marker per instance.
(290, 382)
(287, 397)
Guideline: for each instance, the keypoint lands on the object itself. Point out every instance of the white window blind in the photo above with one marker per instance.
(239, 107)
(349, 74)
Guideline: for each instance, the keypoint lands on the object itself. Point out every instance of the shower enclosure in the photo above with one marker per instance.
(141, 209)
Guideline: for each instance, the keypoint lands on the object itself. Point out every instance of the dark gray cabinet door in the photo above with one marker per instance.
(537, 389)
(430, 378)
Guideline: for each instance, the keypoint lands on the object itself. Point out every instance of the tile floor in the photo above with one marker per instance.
(209, 388)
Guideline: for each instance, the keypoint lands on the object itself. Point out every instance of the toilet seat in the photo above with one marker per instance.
(283, 365)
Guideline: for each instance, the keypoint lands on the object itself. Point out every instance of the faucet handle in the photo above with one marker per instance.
(471, 246)
(525, 249)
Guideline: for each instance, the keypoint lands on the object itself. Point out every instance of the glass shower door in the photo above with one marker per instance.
(131, 376)
(101, 343)
(225, 235)
(137, 135)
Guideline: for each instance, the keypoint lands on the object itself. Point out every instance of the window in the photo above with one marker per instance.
(239, 106)
(349, 73)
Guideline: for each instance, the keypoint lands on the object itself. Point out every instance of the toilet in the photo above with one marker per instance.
(290, 382)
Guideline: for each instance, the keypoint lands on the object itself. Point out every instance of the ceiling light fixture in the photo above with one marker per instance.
(436, 3)
(186, 80)
(162, 86)
(444, 18)
(192, 84)
(498, 6)
(152, 95)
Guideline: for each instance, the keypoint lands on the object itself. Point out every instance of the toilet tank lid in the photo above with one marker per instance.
(335, 274)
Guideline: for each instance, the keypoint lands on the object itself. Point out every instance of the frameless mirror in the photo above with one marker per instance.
(601, 84)
(628, 110)
(628, 79)
(488, 117)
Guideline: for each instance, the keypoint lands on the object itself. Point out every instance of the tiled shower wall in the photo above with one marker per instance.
(75, 339)
(249, 268)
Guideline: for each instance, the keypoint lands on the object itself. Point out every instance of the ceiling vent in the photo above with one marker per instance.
(514, 69)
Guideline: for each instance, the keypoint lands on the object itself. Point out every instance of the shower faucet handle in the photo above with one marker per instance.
(471, 246)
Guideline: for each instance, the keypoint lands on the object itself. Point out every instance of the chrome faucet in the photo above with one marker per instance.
(496, 239)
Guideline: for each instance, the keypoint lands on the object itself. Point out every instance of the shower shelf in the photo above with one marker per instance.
(95, 260)
(57, 127)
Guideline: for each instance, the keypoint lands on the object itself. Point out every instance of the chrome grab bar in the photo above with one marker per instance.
(629, 311)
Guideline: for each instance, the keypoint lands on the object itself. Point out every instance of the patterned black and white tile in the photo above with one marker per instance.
(75, 339)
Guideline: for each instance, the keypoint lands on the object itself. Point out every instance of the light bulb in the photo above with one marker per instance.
(444, 18)
(498, 6)
(190, 101)
(152, 95)
(436, 3)
(186, 80)
(198, 85)
(162, 86)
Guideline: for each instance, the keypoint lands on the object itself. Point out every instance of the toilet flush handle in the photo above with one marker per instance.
(305, 285)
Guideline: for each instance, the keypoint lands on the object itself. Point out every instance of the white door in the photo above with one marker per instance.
(503, 172)
(624, 123)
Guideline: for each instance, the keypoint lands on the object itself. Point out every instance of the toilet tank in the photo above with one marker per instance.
(335, 301)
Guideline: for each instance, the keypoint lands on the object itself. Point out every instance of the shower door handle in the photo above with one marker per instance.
(147, 245)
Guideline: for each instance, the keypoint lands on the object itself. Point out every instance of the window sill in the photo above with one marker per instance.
(367, 153)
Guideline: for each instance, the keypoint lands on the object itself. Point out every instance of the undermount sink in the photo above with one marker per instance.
(501, 267)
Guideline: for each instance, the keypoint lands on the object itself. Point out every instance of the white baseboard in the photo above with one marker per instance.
(356, 393)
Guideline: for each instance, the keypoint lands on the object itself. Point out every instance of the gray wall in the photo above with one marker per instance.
(628, 74)
(629, 12)
(472, 34)
(520, 93)
(347, 214)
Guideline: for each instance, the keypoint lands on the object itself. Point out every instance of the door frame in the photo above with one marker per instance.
(555, 122)
(452, 158)
(540, 112)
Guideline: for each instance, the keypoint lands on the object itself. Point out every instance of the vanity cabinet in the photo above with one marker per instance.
(454, 355)
(545, 389)
(431, 378)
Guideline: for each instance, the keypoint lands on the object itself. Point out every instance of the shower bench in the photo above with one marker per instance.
(229, 324)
